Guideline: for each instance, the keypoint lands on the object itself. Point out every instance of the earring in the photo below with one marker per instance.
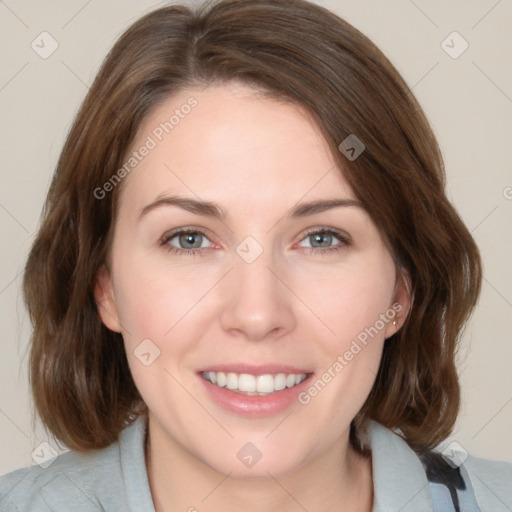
(394, 322)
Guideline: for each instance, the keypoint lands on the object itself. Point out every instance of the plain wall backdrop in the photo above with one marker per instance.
(466, 94)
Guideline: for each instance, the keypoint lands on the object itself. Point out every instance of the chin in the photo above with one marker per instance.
(245, 459)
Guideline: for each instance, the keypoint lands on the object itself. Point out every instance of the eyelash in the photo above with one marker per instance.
(344, 242)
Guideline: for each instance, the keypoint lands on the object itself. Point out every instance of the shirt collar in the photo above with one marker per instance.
(133, 466)
(399, 480)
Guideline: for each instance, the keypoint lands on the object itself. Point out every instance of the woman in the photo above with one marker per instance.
(248, 285)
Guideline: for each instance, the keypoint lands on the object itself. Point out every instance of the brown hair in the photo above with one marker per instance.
(294, 51)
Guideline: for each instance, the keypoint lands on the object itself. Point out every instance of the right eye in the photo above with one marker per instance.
(185, 237)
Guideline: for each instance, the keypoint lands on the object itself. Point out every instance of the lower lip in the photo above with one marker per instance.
(255, 406)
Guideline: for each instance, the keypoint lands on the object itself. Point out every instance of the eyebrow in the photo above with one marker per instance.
(211, 209)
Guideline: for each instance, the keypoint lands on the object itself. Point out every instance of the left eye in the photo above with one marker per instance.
(324, 237)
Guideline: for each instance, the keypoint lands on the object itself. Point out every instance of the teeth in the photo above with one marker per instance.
(220, 377)
(254, 385)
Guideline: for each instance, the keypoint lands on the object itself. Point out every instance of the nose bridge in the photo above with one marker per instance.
(255, 275)
(257, 301)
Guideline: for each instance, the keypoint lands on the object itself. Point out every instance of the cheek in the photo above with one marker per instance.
(153, 309)
(145, 307)
(150, 299)
(169, 308)
(356, 304)
(351, 298)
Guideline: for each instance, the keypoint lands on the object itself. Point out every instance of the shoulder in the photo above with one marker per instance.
(491, 481)
(472, 480)
(90, 481)
(399, 472)
(70, 477)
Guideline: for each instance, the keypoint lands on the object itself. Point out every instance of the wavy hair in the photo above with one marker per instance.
(290, 50)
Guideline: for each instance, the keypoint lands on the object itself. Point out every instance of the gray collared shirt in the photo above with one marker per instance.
(115, 479)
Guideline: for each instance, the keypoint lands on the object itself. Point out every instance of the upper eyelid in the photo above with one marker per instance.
(172, 233)
(345, 239)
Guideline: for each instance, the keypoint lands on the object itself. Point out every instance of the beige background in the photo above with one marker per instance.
(468, 101)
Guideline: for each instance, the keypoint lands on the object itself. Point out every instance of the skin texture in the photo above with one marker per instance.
(257, 158)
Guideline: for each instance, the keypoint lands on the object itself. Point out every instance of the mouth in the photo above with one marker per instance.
(254, 385)
(254, 391)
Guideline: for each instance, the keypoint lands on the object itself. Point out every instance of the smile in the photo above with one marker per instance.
(260, 385)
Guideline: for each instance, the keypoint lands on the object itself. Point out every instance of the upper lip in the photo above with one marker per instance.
(254, 369)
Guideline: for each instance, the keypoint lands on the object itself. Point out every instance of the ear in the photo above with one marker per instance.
(105, 299)
(402, 302)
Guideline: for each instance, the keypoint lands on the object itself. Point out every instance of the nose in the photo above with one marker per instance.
(258, 304)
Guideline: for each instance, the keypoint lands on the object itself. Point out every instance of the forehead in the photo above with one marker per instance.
(230, 144)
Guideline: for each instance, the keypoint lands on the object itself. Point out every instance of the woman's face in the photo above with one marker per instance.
(271, 288)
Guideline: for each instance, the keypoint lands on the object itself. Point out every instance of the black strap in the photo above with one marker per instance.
(441, 476)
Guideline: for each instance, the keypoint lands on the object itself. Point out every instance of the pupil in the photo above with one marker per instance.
(189, 238)
(326, 238)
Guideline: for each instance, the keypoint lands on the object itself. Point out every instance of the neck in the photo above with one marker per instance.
(338, 480)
